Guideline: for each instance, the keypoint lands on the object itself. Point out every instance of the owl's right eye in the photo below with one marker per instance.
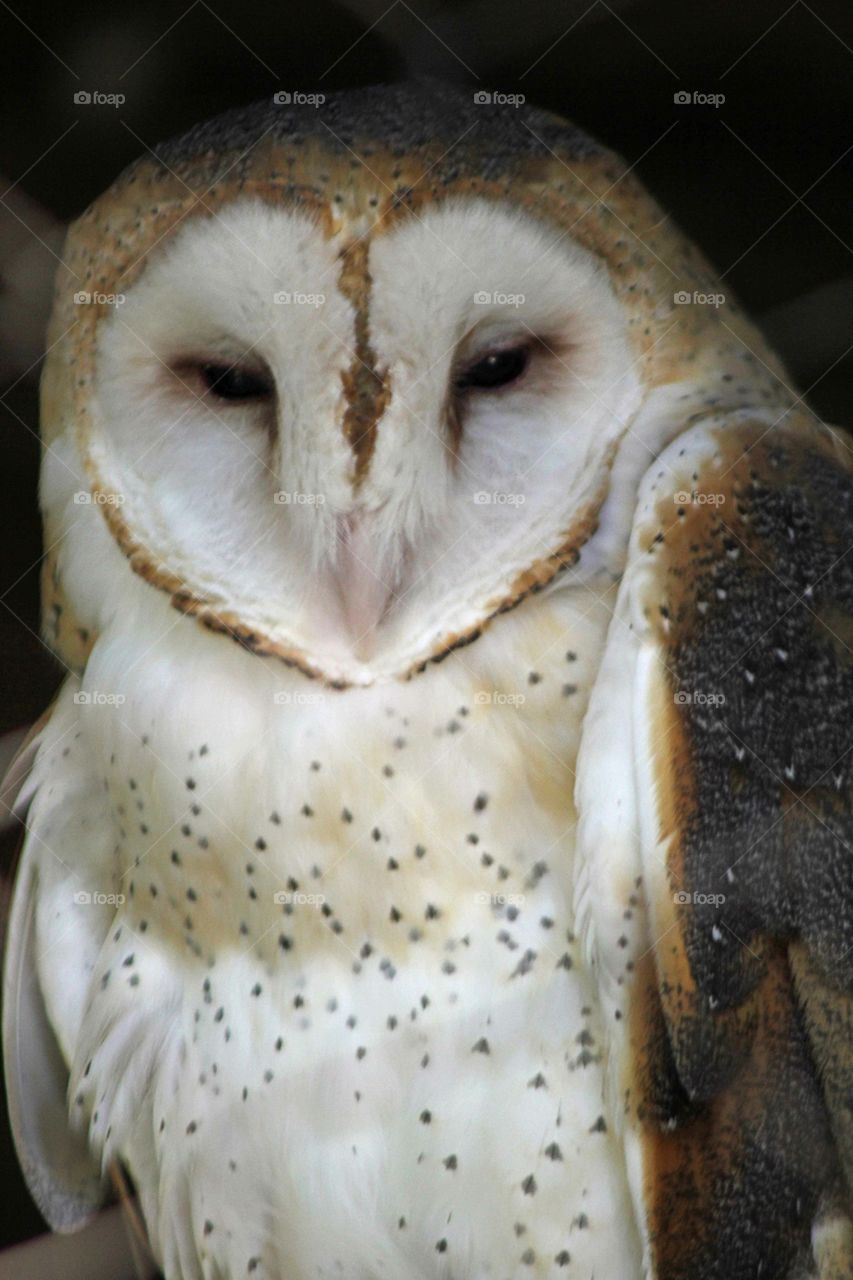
(231, 382)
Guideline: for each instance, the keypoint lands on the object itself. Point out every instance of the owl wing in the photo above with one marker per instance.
(41, 939)
(715, 891)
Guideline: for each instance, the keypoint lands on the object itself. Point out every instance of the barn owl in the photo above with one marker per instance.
(437, 861)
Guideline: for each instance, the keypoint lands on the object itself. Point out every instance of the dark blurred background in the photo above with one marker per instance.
(762, 181)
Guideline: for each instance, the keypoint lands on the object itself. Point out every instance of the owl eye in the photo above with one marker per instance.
(230, 382)
(497, 369)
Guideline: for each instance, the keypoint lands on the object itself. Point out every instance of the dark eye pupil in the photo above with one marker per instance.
(496, 369)
(232, 383)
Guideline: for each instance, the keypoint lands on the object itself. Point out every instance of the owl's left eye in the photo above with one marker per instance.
(231, 382)
(496, 369)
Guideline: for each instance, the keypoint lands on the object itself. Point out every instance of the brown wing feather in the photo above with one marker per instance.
(741, 1028)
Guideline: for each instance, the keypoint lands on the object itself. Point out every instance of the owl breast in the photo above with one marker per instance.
(364, 1042)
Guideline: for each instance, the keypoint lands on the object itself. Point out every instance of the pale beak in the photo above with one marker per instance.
(364, 596)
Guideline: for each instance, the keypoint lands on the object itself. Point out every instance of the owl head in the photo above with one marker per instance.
(347, 381)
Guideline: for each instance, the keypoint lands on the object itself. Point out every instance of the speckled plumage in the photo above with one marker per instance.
(379, 972)
(384, 970)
